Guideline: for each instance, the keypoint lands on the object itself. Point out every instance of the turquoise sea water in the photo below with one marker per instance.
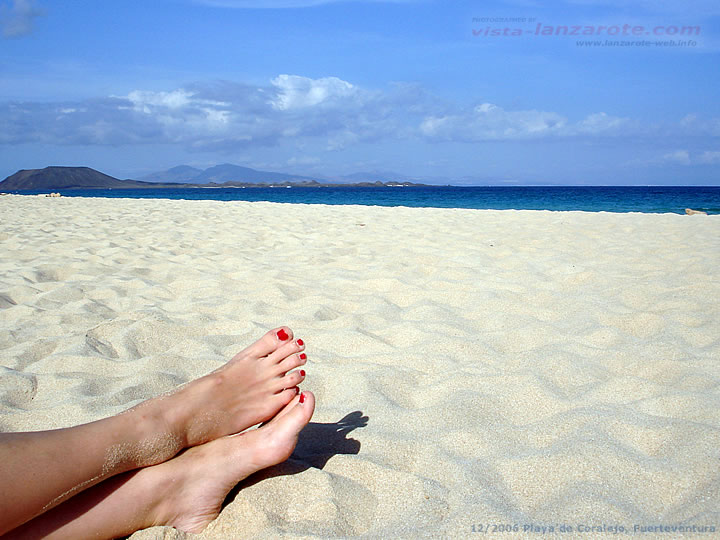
(590, 199)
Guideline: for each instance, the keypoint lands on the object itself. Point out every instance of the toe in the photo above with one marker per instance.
(291, 379)
(296, 414)
(290, 347)
(270, 343)
(291, 362)
(285, 396)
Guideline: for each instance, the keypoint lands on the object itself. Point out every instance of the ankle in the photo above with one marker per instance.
(181, 415)
(157, 438)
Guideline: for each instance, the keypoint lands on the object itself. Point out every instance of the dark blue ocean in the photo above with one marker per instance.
(589, 199)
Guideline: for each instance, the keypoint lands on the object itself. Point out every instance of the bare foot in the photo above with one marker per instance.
(185, 492)
(193, 485)
(251, 388)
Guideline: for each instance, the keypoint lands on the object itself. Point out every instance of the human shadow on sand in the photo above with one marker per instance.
(317, 443)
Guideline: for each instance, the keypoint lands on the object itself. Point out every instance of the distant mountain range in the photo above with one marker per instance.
(178, 177)
(236, 173)
(220, 174)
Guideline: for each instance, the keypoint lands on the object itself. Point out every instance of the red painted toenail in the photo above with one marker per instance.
(302, 372)
(302, 398)
(282, 334)
(303, 356)
(300, 342)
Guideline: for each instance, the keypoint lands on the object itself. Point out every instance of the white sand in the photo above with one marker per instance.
(497, 367)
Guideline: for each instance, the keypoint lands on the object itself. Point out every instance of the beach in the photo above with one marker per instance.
(473, 369)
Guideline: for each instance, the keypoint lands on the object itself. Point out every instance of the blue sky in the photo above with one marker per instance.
(321, 87)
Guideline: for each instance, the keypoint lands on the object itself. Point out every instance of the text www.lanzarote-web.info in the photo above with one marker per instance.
(616, 35)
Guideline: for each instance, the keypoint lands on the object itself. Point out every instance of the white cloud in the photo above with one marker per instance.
(180, 110)
(491, 122)
(143, 100)
(601, 123)
(325, 113)
(223, 115)
(709, 157)
(688, 158)
(692, 124)
(294, 92)
(678, 156)
(177, 99)
(17, 17)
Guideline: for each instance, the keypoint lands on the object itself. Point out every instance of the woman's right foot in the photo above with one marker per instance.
(189, 489)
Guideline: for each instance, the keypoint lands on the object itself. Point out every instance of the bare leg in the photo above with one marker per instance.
(185, 492)
(41, 469)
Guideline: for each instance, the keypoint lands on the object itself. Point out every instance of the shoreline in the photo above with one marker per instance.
(685, 211)
(623, 199)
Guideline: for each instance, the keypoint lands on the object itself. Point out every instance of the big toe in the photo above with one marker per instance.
(281, 433)
(296, 414)
(269, 343)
